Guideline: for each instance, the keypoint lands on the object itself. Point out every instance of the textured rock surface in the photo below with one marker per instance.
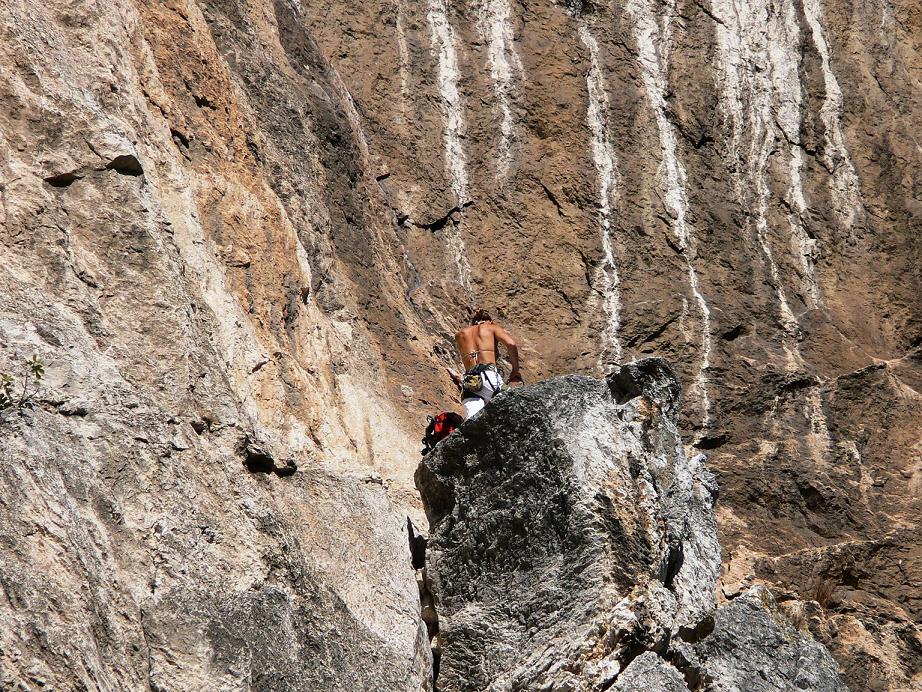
(649, 672)
(755, 647)
(193, 263)
(730, 185)
(146, 555)
(573, 546)
(555, 530)
(262, 219)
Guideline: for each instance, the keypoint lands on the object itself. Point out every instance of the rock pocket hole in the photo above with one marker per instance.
(127, 164)
(62, 179)
(257, 459)
(671, 566)
(711, 442)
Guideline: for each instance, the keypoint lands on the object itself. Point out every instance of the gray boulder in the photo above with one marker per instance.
(754, 648)
(568, 533)
(574, 547)
(650, 672)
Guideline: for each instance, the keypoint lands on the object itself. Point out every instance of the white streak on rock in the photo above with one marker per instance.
(846, 192)
(653, 54)
(759, 54)
(802, 245)
(495, 24)
(789, 322)
(819, 441)
(606, 164)
(459, 253)
(352, 114)
(887, 27)
(759, 59)
(403, 55)
(784, 51)
(758, 75)
(683, 321)
(443, 43)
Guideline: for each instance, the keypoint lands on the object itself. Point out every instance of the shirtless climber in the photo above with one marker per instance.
(477, 345)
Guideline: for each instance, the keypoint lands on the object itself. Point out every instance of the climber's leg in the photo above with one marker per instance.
(492, 384)
(472, 405)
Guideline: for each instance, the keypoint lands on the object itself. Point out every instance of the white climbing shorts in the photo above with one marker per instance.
(492, 383)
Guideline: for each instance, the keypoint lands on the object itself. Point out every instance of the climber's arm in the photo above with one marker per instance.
(512, 351)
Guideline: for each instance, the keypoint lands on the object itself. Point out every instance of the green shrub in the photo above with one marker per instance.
(18, 391)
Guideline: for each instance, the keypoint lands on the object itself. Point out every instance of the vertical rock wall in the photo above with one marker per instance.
(192, 241)
(730, 186)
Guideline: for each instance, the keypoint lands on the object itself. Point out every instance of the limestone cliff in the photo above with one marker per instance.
(240, 234)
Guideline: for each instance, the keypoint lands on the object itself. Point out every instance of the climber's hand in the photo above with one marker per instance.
(515, 380)
(455, 377)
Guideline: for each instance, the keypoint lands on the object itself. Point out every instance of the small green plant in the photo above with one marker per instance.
(15, 397)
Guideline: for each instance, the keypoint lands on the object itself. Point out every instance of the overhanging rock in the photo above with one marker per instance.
(573, 544)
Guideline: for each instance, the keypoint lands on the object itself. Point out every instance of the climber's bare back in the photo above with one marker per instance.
(477, 343)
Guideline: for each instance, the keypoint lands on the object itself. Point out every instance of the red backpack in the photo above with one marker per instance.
(440, 427)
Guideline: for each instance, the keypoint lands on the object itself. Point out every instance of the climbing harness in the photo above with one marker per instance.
(473, 381)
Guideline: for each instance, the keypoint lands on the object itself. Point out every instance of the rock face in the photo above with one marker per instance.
(729, 185)
(574, 546)
(755, 647)
(211, 489)
(146, 556)
(241, 233)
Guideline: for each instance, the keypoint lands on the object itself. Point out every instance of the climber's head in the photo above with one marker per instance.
(480, 315)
